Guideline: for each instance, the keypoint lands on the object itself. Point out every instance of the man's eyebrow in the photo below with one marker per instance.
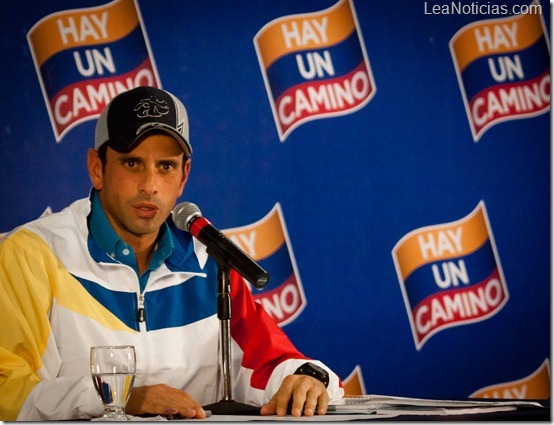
(128, 156)
(173, 158)
(170, 158)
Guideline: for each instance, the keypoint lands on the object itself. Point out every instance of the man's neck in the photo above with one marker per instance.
(143, 247)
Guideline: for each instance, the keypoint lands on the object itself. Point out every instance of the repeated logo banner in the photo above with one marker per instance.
(84, 57)
(354, 383)
(267, 242)
(535, 386)
(450, 275)
(503, 69)
(314, 66)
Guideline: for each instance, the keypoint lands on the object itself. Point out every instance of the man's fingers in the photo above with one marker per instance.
(196, 412)
(299, 394)
(269, 409)
(163, 399)
(308, 396)
(300, 398)
(283, 397)
(310, 404)
(322, 403)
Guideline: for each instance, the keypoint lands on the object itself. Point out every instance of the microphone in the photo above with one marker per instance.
(187, 217)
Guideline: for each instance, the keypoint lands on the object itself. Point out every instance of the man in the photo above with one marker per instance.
(112, 269)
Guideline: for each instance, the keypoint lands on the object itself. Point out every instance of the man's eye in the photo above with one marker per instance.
(168, 166)
(130, 163)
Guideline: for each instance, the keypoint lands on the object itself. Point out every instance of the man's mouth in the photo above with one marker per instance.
(146, 209)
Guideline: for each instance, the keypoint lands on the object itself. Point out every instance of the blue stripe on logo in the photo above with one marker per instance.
(284, 73)
(479, 265)
(127, 55)
(478, 75)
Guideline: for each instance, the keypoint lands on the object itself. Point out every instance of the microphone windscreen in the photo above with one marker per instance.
(183, 214)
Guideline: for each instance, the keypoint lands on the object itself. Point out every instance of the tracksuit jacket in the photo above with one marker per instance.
(60, 294)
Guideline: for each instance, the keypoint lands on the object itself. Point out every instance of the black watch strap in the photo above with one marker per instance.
(314, 371)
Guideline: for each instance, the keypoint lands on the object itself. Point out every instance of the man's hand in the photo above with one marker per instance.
(306, 393)
(163, 400)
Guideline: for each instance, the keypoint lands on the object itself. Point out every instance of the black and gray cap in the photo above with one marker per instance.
(133, 114)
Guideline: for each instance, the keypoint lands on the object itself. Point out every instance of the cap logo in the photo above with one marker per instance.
(151, 108)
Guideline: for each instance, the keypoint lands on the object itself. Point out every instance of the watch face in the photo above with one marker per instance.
(315, 371)
(319, 369)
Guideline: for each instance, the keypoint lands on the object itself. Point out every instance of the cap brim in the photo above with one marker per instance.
(185, 145)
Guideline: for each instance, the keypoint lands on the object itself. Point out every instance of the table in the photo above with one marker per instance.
(521, 413)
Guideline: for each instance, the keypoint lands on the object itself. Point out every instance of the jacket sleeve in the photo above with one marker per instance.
(29, 360)
(268, 355)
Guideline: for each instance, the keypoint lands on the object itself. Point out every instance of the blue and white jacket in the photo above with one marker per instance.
(60, 294)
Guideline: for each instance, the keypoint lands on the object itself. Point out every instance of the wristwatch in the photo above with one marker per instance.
(314, 371)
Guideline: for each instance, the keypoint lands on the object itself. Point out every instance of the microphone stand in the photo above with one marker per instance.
(226, 406)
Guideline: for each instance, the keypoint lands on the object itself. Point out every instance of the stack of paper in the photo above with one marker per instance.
(393, 406)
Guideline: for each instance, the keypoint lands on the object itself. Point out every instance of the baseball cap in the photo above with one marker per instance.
(133, 114)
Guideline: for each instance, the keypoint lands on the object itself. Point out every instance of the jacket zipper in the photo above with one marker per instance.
(140, 313)
(145, 354)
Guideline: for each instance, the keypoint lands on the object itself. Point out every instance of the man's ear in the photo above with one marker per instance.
(94, 168)
(186, 171)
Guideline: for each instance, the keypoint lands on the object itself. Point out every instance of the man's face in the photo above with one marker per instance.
(139, 189)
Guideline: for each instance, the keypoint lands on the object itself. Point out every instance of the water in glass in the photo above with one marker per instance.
(113, 374)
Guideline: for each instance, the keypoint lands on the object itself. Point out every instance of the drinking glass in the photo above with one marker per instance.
(113, 373)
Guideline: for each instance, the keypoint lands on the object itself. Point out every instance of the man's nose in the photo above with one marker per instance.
(149, 181)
